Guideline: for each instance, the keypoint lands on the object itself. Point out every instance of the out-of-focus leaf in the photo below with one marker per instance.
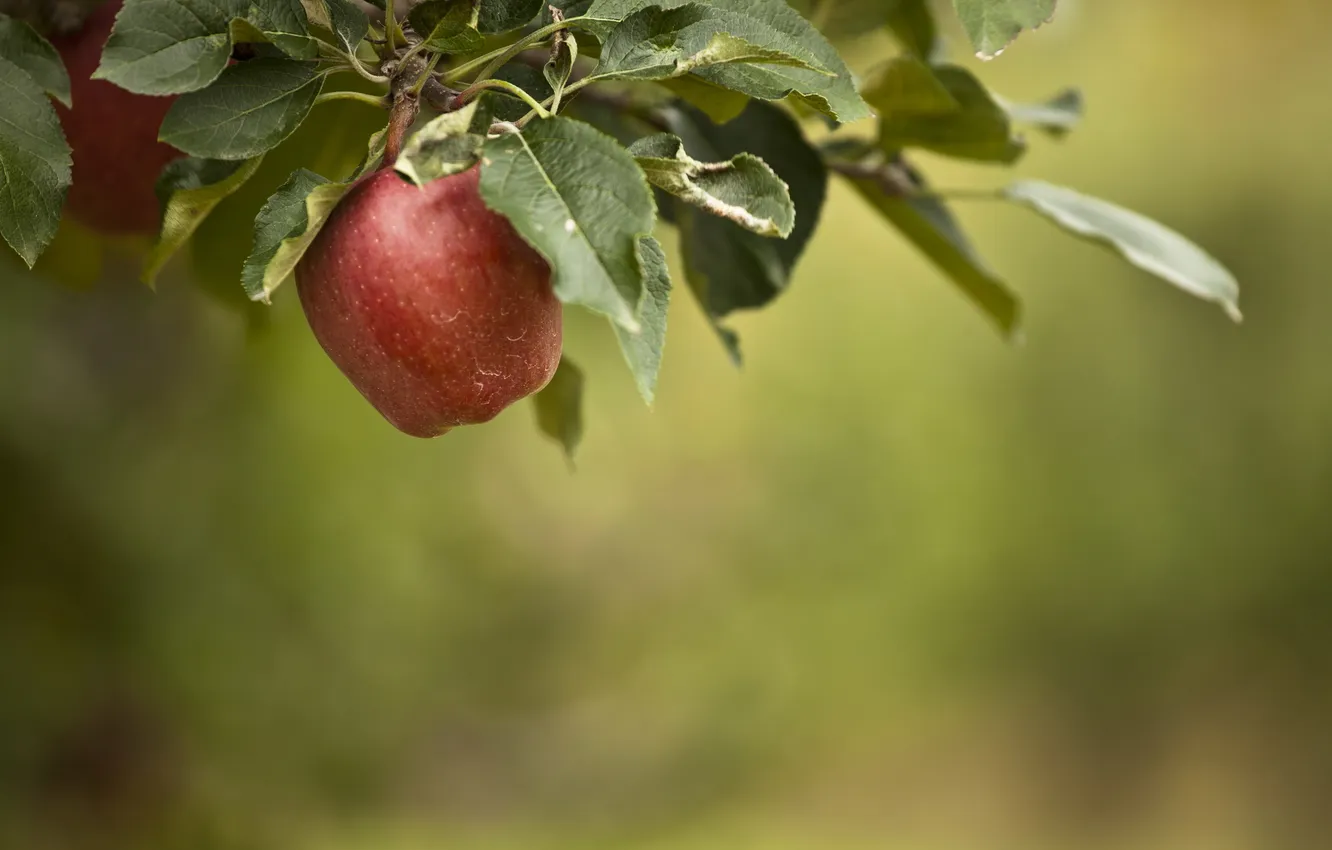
(559, 407)
(1147, 244)
(189, 189)
(993, 24)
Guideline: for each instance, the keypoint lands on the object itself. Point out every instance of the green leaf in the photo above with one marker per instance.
(21, 45)
(1146, 244)
(978, 129)
(176, 46)
(727, 267)
(929, 225)
(1056, 116)
(189, 189)
(34, 164)
(907, 85)
(559, 407)
(251, 108)
(504, 15)
(993, 24)
(449, 26)
(833, 93)
(642, 350)
(348, 22)
(284, 229)
(449, 144)
(655, 43)
(743, 189)
(912, 23)
(578, 197)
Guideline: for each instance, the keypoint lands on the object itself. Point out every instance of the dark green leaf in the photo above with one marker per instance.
(908, 85)
(21, 45)
(579, 198)
(1057, 116)
(504, 15)
(742, 189)
(978, 129)
(929, 225)
(348, 22)
(1146, 244)
(729, 267)
(643, 350)
(34, 164)
(189, 189)
(559, 407)
(175, 46)
(655, 43)
(448, 25)
(284, 229)
(250, 109)
(993, 24)
(912, 23)
(449, 144)
(834, 95)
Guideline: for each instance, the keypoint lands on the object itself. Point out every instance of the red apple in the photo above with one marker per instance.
(431, 304)
(113, 134)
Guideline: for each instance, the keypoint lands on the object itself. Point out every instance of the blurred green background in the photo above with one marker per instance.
(895, 585)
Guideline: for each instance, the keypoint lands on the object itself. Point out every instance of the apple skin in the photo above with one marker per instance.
(113, 135)
(432, 305)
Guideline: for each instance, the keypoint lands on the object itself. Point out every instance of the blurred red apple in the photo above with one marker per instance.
(432, 305)
(113, 134)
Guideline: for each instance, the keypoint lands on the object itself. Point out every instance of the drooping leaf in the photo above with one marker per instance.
(250, 109)
(832, 92)
(504, 15)
(559, 407)
(21, 45)
(733, 268)
(1147, 244)
(348, 22)
(176, 46)
(189, 189)
(559, 67)
(655, 43)
(284, 229)
(742, 189)
(448, 25)
(978, 129)
(34, 164)
(1056, 116)
(929, 225)
(908, 85)
(642, 350)
(578, 197)
(912, 23)
(448, 144)
(727, 267)
(993, 24)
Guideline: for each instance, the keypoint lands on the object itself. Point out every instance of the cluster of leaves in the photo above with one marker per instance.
(591, 120)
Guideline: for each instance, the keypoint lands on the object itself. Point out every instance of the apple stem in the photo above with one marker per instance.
(405, 106)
